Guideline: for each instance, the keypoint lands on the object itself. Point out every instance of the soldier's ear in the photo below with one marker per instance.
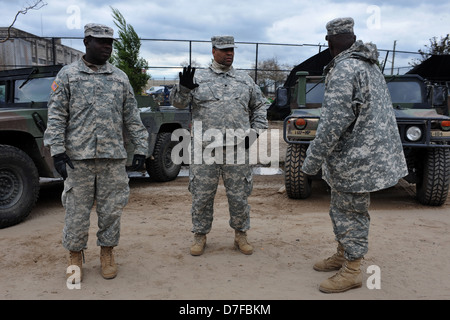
(87, 40)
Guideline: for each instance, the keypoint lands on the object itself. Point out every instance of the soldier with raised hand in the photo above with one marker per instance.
(357, 146)
(90, 105)
(227, 101)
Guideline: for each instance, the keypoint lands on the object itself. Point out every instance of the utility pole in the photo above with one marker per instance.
(393, 58)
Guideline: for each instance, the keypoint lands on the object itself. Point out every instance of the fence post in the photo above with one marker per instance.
(190, 52)
(256, 65)
(54, 51)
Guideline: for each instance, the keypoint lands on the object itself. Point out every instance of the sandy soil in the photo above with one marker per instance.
(408, 242)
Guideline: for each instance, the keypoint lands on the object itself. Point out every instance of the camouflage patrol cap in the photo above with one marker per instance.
(223, 42)
(340, 26)
(98, 31)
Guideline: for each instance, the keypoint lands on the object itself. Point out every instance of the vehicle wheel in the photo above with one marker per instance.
(297, 183)
(434, 177)
(19, 185)
(161, 167)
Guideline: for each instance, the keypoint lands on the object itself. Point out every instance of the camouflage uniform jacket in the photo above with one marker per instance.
(223, 100)
(88, 111)
(357, 143)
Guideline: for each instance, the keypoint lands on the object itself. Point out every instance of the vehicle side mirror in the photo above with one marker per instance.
(439, 95)
(282, 96)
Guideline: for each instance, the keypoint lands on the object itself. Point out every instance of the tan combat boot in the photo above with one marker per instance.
(198, 247)
(348, 277)
(332, 263)
(109, 267)
(75, 259)
(241, 243)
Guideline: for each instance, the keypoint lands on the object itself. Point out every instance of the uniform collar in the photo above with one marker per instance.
(86, 67)
(217, 69)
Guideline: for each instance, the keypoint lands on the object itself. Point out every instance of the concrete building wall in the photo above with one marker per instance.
(24, 49)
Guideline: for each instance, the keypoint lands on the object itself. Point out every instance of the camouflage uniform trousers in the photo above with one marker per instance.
(350, 218)
(203, 182)
(104, 181)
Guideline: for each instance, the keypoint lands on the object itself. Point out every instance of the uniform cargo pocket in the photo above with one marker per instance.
(67, 196)
(203, 94)
(191, 185)
(248, 183)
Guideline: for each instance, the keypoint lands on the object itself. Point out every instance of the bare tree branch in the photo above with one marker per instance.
(38, 4)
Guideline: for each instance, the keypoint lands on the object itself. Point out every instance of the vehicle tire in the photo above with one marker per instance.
(297, 183)
(434, 177)
(160, 167)
(19, 185)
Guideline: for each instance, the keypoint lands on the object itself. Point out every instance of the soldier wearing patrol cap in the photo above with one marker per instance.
(357, 146)
(223, 99)
(91, 102)
(98, 31)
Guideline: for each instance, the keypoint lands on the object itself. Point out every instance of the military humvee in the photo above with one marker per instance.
(425, 134)
(23, 158)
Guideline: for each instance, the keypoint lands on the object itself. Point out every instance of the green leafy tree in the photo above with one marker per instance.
(126, 53)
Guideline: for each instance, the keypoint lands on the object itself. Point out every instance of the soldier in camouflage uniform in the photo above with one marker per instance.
(357, 146)
(91, 101)
(225, 100)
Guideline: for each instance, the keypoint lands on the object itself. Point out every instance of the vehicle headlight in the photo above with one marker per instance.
(300, 123)
(413, 133)
(445, 125)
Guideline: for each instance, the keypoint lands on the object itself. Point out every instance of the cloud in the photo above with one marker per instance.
(411, 23)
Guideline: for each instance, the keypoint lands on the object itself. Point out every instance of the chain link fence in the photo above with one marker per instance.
(267, 63)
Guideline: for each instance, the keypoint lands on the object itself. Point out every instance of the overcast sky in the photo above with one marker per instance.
(411, 23)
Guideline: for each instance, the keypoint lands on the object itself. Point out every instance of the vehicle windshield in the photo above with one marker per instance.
(34, 90)
(314, 92)
(2, 92)
(402, 92)
(405, 92)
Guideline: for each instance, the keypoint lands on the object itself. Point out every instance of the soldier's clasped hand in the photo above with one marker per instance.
(187, 78)
(138, 162)
(60, 161)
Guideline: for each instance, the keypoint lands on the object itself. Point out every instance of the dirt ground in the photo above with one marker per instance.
(409, 243)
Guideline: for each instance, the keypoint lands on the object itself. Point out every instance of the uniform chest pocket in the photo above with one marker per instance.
(112, 91)
(81, 92)
(241, 92)
(233, 90)
(204, 94)
(239, 96)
